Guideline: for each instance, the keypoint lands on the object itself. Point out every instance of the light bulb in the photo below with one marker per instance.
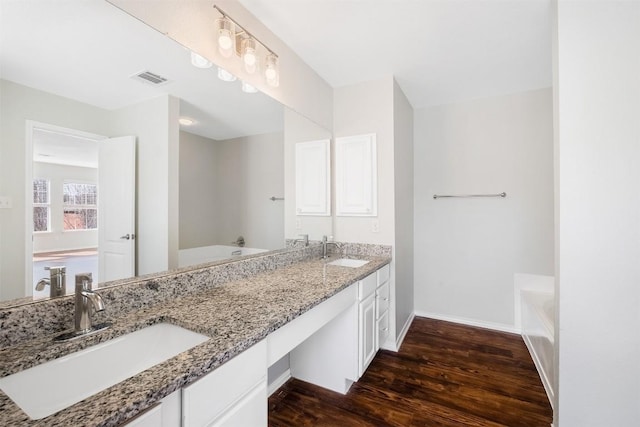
(225, 36)
(249, 55)
(270, 73)
(271, 70)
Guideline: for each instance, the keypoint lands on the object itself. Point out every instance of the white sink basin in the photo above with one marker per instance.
(47, 388)
(346, 262)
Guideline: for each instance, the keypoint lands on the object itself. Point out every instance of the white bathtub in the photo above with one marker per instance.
(204, 254)
(537, 317)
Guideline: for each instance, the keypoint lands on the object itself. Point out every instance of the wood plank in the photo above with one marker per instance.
(445, 374)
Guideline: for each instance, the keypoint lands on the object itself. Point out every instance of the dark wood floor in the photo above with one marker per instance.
(445, 374)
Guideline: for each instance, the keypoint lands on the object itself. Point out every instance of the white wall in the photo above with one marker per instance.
(467, 250)
(155, 124)
(17, 104)
(198, 223)
(56, 239)
(597, 76)
(360, 109)
(380, 107)
(300, 129)
(225, 188)
(403, 168)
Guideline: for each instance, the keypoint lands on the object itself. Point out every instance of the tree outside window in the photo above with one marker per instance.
(80, 206)
(41, 205)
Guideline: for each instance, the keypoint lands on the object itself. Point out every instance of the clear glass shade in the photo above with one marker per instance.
(226, 37)
(271, 72)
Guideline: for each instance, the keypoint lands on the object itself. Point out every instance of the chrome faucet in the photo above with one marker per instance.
(84, 296)
(325, 243)
(85, 300)
(56, 281)
(304, 239)
(239, 242)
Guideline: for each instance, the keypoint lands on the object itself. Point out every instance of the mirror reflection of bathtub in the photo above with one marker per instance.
(206, 254)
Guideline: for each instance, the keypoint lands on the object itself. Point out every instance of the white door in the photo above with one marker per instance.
(116, 208)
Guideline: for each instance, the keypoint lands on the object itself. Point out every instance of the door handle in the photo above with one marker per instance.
(128, 236)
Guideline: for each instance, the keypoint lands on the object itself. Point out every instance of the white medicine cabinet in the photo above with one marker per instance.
(356, 176)
(313, 178)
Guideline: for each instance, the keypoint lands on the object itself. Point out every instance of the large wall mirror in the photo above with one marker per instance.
(207, 190)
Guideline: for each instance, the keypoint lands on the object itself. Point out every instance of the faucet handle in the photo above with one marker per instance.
(84, 281)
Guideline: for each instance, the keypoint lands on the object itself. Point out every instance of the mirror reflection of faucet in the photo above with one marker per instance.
(239, 242)
(56, 281)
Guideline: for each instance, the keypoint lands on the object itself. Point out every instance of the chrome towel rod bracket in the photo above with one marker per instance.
(440, 196)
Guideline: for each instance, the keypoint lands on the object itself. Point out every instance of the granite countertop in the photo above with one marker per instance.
(235, 315)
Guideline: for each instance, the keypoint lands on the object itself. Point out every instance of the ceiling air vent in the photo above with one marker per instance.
(150, 78)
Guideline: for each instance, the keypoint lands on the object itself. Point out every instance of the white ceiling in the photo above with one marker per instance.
(62, 149)
(87, 50)
(440, 51)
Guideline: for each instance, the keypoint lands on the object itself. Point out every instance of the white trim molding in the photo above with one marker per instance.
(470, 322)
(278, 382)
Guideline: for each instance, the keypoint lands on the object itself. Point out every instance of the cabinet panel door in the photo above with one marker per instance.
(356, 176)
(313, 178)
(251, 411)
(368, 333)
(206, 399)
(151, 418)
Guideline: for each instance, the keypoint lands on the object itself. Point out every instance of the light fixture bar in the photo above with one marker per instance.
(243, 30)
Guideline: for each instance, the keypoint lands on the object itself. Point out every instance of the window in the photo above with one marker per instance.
(41, 205)
(80, 206)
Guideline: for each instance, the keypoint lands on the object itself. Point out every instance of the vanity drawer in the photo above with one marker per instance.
(367, 286)
(209, 397)
(382, 300)
(383, 274)
(383, 329)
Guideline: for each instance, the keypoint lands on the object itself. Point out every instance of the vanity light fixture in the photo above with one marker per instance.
(185, 121)
(225, 76)
(255, 55)
(200, 61)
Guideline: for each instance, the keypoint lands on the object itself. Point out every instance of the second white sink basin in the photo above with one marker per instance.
(47, 388)
(346, 262)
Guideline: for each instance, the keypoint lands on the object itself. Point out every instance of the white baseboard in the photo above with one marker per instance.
(278, 382)
(470, 322)
(548, 388)
(403, 332)
(392, 345)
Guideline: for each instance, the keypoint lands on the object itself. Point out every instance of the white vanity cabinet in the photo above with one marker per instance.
(383, 301)
(367, 331)
(165, 413)
(235, 394)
